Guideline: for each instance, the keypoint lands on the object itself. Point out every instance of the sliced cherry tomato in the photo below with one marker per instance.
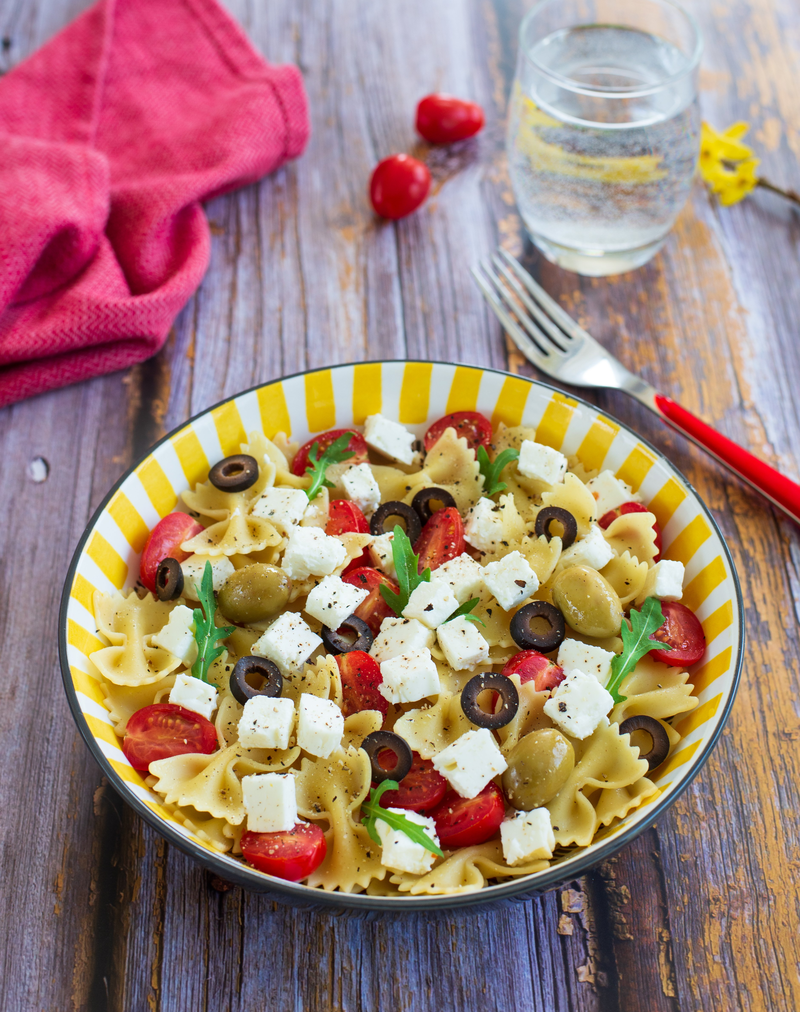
(531, 666)
(361, 677)
(442, 539)
(444, 119)
(292, 855)
(399, 184)
(472, 425)
(164, 730)
(345, 517)
(420, 789)
(165, 542)
(356, 444)
(607, 519)
(373, 610)
(466, 822)
(682, 631)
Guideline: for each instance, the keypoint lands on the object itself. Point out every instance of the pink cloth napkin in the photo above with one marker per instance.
(110, 137)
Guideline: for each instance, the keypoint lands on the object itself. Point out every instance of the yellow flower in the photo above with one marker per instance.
(726, 164)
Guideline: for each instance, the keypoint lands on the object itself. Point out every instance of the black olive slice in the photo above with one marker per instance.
(169, 580)
(386, 516)
(255, 668)
(659, 749)
(423, 500)
(500, 684)
(555, 514)
(338, 642)
(234, 474)
(375, 743)
(525, 637)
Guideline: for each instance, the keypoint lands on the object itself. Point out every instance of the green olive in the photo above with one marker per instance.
(538, 767)
(254, 593)
(588, 602)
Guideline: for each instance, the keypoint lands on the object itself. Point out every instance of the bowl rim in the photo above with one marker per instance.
(298, 893)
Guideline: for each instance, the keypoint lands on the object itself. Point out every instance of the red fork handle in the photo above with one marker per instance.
(780, 490)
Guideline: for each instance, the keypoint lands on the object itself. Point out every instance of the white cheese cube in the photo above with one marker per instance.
(576, 656)
(462, 575)
(400, 636)
(288, 642)
(270, 802)
(194, 694)
(610, 492)
(592, 550)
(283, 507)
(399, 852)
(579, 705)
(380, 551)
(430, 604)
(409, 677)
(312, 552)
(177, 636)
(527, 836)
(266, 722)
(389, 438)
(333, 600)
(510, 580)
(470, 762)
(359, 483)
(463, 646)
(484, 525)
(664, 581)
(194, 567)
(320, 725)
(541, 462)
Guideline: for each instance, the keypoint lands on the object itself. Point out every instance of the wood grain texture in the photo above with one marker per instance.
(701, 912)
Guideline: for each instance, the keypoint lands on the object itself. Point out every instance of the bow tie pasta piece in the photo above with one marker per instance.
(218, 833)
(273, 459)
(451, 464)
(655, 690)
(529, 717)
(226, 722)
(217, 504)
(465, 870)
(617, 803)
(540, 554)
(358, 725)
(236, 534)
(320, 679)
(122, 701)
(430, 729)
(497, 531)
(633, 533)
(576, 498)
(128, 623)
(627, 576)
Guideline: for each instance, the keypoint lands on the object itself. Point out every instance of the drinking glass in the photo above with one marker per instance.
(604, 128)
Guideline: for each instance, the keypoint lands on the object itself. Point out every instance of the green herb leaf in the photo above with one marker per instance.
(206, 634)
(491, 471)
(636, 643)
(317, 466)
(371, 811)
(408, 576)
(463, 611)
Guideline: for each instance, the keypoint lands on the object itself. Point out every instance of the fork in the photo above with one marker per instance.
(550, 339)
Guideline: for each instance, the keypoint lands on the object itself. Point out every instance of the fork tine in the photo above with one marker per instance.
(518, 336)
(544, 321)
(536, 335)
(567, 324)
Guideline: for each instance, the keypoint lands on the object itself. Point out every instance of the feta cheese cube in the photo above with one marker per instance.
(576, 656)
(194, 694)
(541, 462)
(592, 550)
(610, 492)
(359, 483)
(333, 600)
(579, 705)
(510, 580)
(470, 762)
(380, 551)
(484, 526)
(312, 552)
(320, 725)
(270, 802)
(399, 852)
(283, 507)
(409, 677)
(177, 636)
(400, 636)
(664, 581)
(194, 567)
(266, 722)
(288, 642)
(389, 438)
(430, 604)
(527, 836)
(463, 646)
(462, 575)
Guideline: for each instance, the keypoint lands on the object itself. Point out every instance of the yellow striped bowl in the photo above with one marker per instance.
(416, 394)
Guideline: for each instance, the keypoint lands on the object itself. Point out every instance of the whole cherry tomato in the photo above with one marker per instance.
(466, 822)
(607, 519)
(420, 789)
(441, 540)
(291, 855)
(163, 730)
(324, 440)
(361, 677)
(399, 184)
(443, 119)
(165, 542)
(531, 666)
(373, 609)
(681, 631)
(345, 517)
(472, 425)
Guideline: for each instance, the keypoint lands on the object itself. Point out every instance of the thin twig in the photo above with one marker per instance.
(788, 194)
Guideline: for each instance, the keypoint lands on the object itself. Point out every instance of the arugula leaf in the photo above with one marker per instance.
(463, 612)
(317, 466)
(408, 575)
(636, 643)
(206, 633)
(372, 810)
(491, 471)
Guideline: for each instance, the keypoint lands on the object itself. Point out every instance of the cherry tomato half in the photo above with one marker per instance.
(466, 822)
(164, 730)
(399, 184)
(361, 677)
(373, 610)
(165, 542)
(345, 517)
(472, 425)
(420, 789)
(531, 666)
(292, 855)
(356, 444)
(442, 539)
(443, 119)
(682, 631)
(607, 519)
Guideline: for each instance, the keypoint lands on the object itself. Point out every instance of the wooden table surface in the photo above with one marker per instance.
(702, 912)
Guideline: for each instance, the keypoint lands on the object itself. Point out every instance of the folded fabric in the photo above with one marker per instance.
(110, 137)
